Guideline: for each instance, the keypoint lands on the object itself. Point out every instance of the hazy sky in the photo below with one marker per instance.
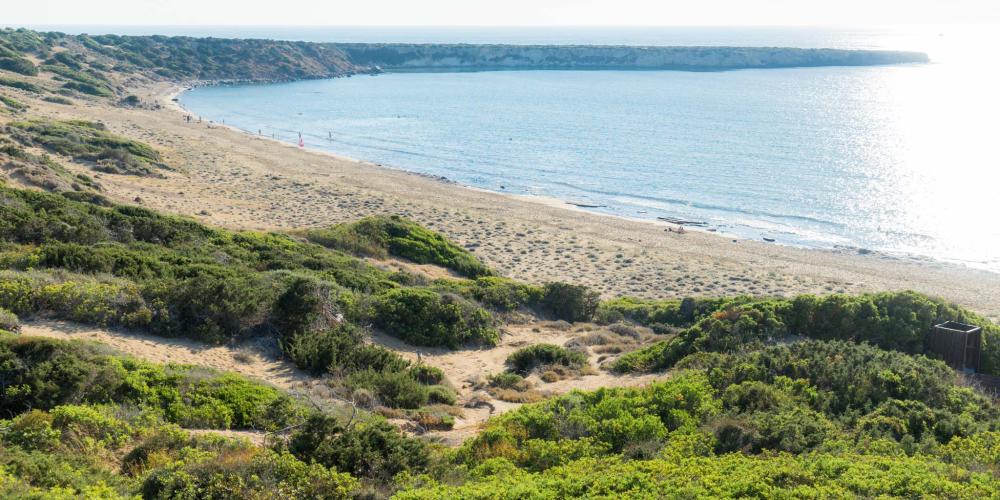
(500, 12)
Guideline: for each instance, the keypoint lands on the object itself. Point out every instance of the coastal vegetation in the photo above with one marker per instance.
(805, 396)
(380, 237)
(896, 321)
(80, 420)
(88, 141)
(812, 418)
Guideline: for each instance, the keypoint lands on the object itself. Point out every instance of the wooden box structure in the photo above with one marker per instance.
(959, 344)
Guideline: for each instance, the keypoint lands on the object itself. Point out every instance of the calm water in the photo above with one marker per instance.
(897, 159)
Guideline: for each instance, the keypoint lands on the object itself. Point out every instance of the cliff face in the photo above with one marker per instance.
(433, 57)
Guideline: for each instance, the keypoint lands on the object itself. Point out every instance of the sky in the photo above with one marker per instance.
(499, 12)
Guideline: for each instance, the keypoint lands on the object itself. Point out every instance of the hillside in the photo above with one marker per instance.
(154, 355)
(732, 399)
(444, 57)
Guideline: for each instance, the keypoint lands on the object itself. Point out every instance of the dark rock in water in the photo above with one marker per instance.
(864, 251)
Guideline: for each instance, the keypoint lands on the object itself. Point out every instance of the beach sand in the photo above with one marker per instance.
(229, 178)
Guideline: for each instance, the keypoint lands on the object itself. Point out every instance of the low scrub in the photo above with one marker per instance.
(21, 85)
(89, 141)
(425, 317)
(19, 65)
(381, 237)
(527, 359)
(892, 320)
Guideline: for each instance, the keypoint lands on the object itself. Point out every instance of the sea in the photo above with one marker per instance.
(900, 160)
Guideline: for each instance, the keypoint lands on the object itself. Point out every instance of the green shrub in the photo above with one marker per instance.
(32, 430)
(504, 294)
(569, 302)
(57, 100)
(44, 374)
(427, 375)
(526, 359)
(89, 141)
(80, 422)
(20, 84)
(673, 312)
(508, 380)
(779, 475)
(256, 473)
(427, 318)
(371, 449)
(9, 321)
(383, 236)
(892, 320)
(13, 103)
(18, 65)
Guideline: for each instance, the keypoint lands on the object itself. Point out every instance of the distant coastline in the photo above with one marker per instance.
(377, 57)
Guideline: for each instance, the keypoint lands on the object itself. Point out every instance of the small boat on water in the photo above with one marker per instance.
(769, 240)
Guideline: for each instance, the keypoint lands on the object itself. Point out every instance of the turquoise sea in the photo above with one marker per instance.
(896, 159)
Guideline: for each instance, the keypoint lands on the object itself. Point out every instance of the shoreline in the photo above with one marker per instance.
(229, 178)
(558, 203)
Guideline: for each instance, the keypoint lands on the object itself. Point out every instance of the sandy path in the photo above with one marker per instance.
(463, 368)
(468, 368)
(248, 360)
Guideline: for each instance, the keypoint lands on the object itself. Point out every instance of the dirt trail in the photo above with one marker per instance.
(465, 369)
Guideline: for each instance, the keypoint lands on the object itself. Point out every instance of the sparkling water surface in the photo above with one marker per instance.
(897, 159)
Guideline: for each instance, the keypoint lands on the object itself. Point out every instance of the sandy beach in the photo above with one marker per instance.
(233, 179)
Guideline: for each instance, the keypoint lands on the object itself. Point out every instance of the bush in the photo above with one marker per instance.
(18, 65)
(504, 294)
(383, 236)
(892, 320)
(673, 312)
(9, 321)
(424, 317)
(13, 103)
(88, 141)
(370, 449)
(32, 431)
(526, 359)
(569, 302)
(253, 473)
(20, 84)
(44, 374)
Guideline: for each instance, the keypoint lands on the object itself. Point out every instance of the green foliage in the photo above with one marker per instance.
(89, 141)
(58, 100)
(32, 430)
(424, 317)
(504, 294)
(92, 83)
(383, 236)
(20, 84)
(12, 103)
(18, 65)
(372, 449)
(250, 473)
(45, 374)
(818, 475)
(9, 321)
(891, 320)
(672, 312)
(569, 302)
(526, 359)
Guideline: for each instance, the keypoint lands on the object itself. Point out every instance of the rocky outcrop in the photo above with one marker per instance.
(437, 57)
